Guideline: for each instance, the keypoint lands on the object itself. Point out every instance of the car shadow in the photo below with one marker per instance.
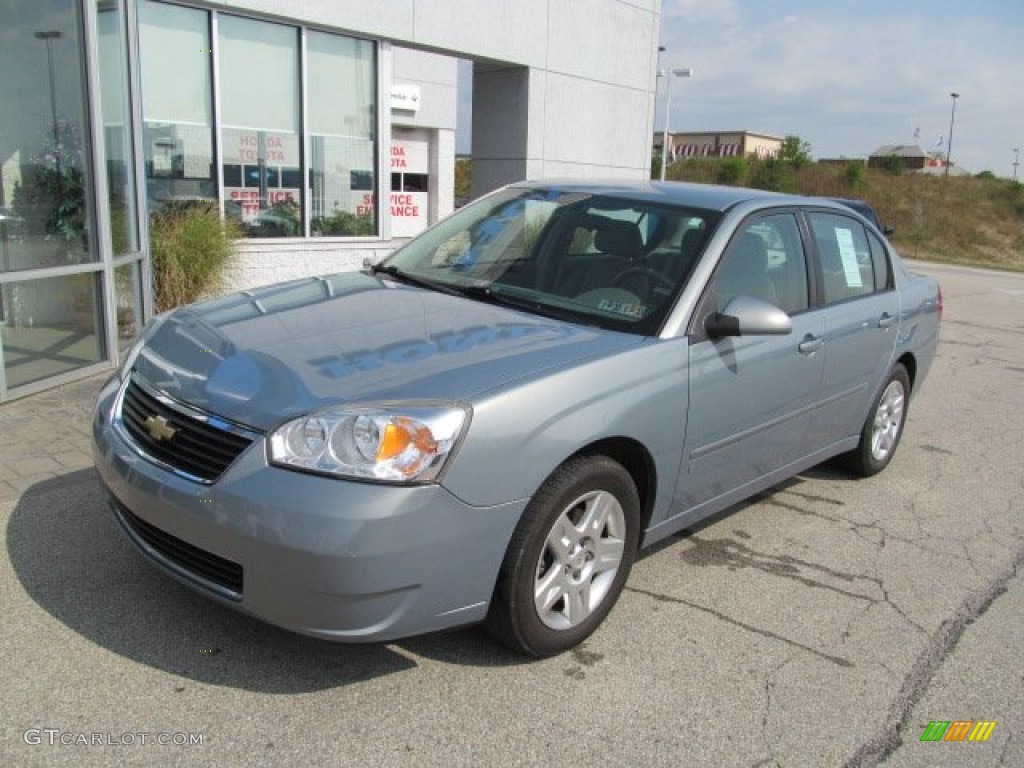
(74, 562)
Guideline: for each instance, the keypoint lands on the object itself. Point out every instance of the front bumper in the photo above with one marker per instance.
(336, 559)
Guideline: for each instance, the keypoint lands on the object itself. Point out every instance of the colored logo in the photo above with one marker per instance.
(958, 730)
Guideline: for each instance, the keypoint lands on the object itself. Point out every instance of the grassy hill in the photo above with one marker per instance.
(955, 219)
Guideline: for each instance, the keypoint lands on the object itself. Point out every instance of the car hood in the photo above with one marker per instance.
(261, 357)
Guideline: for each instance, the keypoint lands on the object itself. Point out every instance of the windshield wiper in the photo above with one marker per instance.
(479, 292)
(488, 294)
(420, 282)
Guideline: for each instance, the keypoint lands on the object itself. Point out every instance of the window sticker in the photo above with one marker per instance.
(622, 308)
(848, 255)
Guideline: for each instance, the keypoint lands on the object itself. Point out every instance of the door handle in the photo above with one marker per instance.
(810, 344)
(886, 320)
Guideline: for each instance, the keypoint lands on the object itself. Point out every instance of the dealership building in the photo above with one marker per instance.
(325, 128)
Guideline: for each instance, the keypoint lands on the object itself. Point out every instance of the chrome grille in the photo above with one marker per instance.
(201, 446)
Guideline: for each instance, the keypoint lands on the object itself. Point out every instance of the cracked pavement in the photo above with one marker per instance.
(824, 623)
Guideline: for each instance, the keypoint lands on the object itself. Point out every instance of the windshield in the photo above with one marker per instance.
(600, 260)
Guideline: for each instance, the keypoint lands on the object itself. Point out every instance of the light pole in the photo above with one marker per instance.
(48, 36)
(669, 74)
(1016, 159)
(949, 144)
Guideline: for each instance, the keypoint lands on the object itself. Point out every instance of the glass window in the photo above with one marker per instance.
(880, 260)
(845, 255)
(265, 175)
(117, 138)
(128, 295)
(259, 96)
(174, 48)
(52, 326)
(342, 111)
(765, 261)
(45, 200)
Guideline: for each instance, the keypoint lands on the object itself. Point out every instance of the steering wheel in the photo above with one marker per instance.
(650, 277)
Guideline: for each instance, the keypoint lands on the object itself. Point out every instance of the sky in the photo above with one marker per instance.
(849, 76)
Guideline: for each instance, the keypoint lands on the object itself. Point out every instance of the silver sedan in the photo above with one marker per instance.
(489, 425)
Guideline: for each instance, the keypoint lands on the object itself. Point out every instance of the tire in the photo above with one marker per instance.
(883, 427)
(568, 558)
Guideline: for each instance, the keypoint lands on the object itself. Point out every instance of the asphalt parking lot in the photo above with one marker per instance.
(826, 623)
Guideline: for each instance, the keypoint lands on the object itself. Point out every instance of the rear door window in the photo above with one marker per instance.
(845, 255)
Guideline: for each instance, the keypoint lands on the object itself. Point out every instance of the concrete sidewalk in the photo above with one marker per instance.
(46, 436)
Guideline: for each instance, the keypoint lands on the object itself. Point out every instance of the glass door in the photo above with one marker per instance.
(51, 297)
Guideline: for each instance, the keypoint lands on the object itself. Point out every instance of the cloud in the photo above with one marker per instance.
(847, 83)
(715, 11)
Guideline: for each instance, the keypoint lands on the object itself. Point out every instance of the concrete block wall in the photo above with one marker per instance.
(261, 264)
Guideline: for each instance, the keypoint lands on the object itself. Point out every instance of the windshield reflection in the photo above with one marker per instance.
(596, 259)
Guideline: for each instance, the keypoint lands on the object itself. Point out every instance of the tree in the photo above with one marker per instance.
(795, 152)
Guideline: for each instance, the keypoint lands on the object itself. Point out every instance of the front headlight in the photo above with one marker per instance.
(390, 443)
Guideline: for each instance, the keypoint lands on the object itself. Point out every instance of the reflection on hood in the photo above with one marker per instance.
(261, 357)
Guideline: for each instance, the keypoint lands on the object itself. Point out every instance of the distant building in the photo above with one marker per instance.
(840, 160)
(718, 144)
(913, 158)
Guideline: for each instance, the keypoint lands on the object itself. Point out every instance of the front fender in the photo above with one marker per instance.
(522, 432)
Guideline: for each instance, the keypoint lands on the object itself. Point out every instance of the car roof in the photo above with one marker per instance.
(706, 196)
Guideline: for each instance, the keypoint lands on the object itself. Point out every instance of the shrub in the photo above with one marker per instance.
(893, 164)
(732, 171)
(342, 223)
(190, 246)
(855, 174)
(463, 178)
(773, 174)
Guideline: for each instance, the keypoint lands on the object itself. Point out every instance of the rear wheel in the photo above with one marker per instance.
(884, 426)
(568, 559)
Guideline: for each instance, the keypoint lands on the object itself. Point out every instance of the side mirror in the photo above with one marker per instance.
(747, 316)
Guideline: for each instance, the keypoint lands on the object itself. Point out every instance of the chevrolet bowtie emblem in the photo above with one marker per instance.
(159, 429)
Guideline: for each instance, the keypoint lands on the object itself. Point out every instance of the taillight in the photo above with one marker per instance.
(938, 305)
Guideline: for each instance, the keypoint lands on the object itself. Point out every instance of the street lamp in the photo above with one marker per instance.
(1016, 159)
(48, 36)
(668, 74)
(949, 144)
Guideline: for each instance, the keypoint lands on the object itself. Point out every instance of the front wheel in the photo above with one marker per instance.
(884, 426)
(568, 559)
